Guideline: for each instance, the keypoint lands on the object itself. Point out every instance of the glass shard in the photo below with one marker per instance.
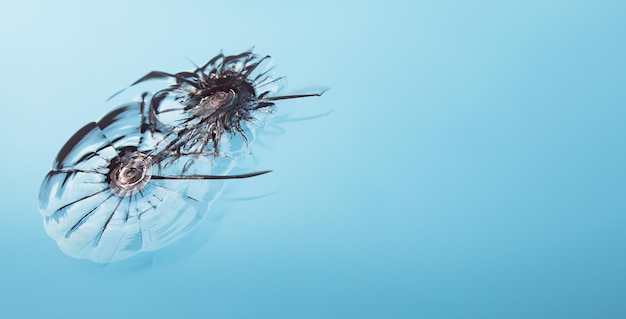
(146, 173)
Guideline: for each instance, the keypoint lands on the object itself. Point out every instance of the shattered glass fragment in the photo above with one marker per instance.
(217, 109)
(109, 196)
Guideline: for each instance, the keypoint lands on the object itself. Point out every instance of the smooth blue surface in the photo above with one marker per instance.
(473, 165)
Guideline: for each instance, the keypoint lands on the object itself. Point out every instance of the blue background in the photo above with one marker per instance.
(473, 165)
